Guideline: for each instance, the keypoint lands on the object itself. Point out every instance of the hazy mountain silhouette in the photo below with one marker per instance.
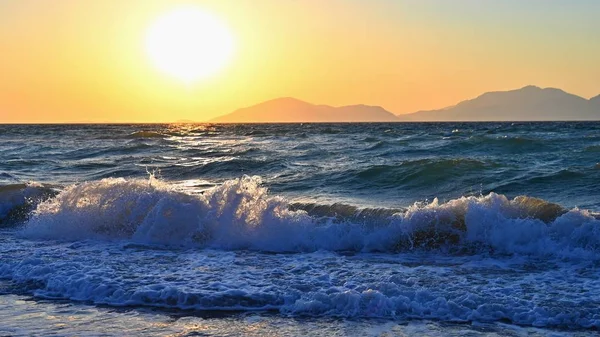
(530, 103)
(291, 110)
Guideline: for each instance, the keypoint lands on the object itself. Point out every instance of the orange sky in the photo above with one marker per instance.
(78, 61)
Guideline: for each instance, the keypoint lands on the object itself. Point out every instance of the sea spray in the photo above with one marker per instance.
(240, 214)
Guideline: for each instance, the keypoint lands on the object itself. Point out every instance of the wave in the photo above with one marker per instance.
(398, 299)
(240, 215)
(18, 200)
(508, 144)
(592, 148)
(146, 134)
(378, 145)
(423, 172)
(347, 213)
(371, 140)
(232, 165)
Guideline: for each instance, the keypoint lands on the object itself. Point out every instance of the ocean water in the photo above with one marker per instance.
(434, 229)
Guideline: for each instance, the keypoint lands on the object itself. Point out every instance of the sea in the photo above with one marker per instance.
(367, 229)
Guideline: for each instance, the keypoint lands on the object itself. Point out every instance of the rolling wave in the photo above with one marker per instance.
(18, 200)
(500, 143)
(423, 172)
(241, 215)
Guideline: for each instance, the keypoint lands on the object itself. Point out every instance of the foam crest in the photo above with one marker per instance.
(240, 214)
(236, 215)
(108, 208)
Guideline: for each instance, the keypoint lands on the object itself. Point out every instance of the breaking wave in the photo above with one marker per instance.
(241, 215)
(18, 200)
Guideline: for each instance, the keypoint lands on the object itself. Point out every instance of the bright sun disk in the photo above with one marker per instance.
(189, 44)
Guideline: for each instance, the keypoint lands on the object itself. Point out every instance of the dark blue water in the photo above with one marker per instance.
(390, 165)
(336, 229)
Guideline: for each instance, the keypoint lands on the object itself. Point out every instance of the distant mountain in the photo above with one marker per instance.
(530, 103)
(291, 110)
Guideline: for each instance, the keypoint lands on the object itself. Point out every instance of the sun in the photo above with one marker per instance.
(189, 44)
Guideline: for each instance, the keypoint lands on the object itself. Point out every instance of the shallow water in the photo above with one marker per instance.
(351, 229)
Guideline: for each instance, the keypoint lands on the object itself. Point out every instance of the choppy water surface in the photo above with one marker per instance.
(314, 229)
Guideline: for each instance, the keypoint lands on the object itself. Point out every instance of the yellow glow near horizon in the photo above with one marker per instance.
(189, 44)
(96, 61)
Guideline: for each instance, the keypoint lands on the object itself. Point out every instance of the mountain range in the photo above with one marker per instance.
(530, 103)
(291, 110)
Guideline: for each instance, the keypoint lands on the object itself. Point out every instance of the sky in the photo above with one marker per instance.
(86, 61)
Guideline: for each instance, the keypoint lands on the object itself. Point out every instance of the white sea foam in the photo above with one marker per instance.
(239, 214)
(321, 284)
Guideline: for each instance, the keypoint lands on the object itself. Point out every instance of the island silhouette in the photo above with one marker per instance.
(292, 110)
(530, 103)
